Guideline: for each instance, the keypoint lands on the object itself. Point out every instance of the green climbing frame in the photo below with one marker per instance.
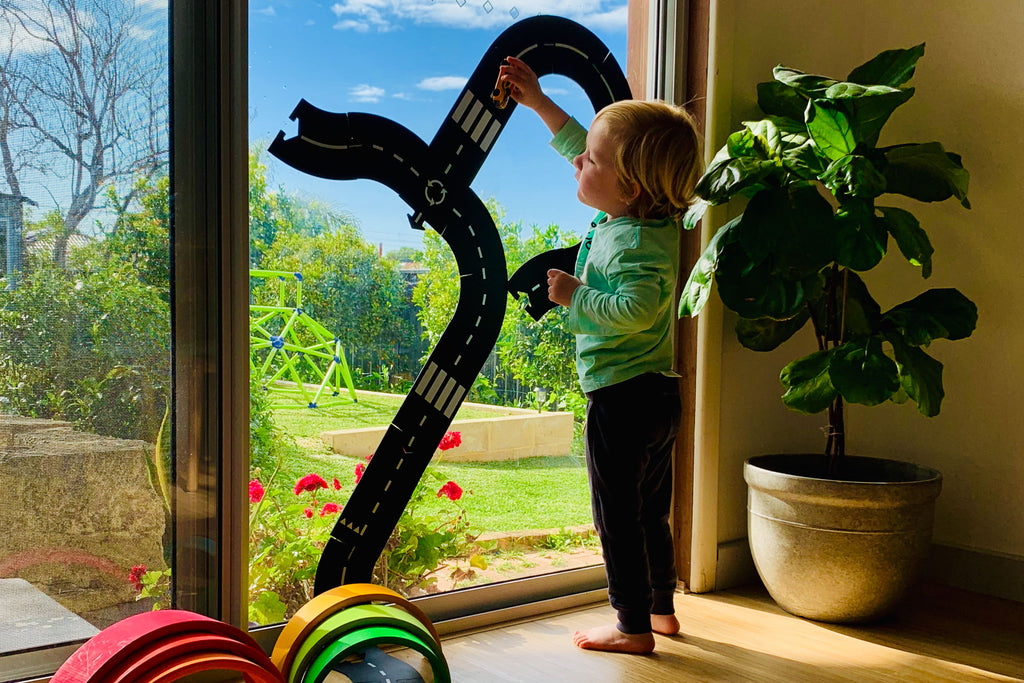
(293, 354)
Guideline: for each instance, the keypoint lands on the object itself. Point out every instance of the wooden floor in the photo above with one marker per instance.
(741, 635)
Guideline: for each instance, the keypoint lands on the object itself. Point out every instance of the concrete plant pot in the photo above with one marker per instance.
(839, 550)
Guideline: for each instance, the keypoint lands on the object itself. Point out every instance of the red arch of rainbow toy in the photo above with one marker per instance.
(170, 645)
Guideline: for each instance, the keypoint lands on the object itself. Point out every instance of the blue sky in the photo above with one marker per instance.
(407, 60)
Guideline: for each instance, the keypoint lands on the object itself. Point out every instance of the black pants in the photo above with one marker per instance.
(630, 433)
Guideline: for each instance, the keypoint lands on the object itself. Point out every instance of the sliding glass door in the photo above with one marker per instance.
(352, 289)
(86, 468)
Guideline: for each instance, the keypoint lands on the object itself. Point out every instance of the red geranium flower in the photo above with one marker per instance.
(310, 482)
(336, 484)
(360, 468)
(451, 489)
(135, 576)
(450, 440)
(308, 512)
(329, 508)
(256, 491)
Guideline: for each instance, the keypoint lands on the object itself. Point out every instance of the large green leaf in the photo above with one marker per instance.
(855, 176)
(767, 135)
(926, 172)
(694, 214)
(910, 238)
(862, 373)
(862, 313)
(729, 177)
(808, 85)
(779, 99)
(746, 143)
(866, 109)
(861, 240)
(788, 141)
(792, 226)
(765, 334)
(935, 314)
(892, 67)
(752, 289)
(808, 387)
(856, 310)
(831, 129)
(778, 133)
(803, 160)
(698, 285)
(920, 376)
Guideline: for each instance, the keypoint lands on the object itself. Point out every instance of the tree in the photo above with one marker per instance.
(13, 89)
(83, 97)
(347, 287)
(405, 254)
(540, 353)
(272, 212)
(141, 239)
(351, 291)
(536, 354)
(90, 342)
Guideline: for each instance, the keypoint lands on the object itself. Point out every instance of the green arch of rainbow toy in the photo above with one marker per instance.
(171, 645)
(287, 347)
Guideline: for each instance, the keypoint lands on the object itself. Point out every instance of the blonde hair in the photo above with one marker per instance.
(657, 151)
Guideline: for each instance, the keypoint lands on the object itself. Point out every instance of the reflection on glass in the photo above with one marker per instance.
(505, 496)
(84, 316)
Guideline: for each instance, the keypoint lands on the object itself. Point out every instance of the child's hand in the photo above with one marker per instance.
(525, 85)
(561, 286)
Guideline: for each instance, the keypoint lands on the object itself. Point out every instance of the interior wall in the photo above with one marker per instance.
(970, 97)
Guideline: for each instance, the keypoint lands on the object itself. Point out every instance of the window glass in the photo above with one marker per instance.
(85, 334)
(347, 301)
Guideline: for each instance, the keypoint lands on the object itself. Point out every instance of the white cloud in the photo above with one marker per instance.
(386, 15)
(267, 11)
(366, 93)
(442, 83)
(357, 26)
(362, 15)
(403, 96)
(612, 20)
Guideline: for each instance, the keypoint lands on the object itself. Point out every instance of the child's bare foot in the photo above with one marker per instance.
(665, 624)
(611, 639)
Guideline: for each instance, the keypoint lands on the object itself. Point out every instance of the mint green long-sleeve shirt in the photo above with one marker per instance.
(622, 315)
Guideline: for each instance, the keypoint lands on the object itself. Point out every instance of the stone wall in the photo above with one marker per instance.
(521, 434)
(77, 511)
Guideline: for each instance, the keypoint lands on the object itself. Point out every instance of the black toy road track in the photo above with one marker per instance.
(435, 182)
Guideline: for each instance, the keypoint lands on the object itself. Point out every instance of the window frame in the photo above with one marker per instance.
(209, 190)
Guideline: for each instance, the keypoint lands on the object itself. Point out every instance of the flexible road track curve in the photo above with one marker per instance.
(435, 182)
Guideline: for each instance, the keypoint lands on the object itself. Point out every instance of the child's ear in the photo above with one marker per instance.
(631, 190)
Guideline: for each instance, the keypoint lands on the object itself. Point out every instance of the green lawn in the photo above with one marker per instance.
(372, 410)
(531, 493)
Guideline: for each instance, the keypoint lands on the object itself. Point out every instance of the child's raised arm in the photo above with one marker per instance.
(527, 92)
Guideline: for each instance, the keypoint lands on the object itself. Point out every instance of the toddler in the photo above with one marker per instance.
(637, 166)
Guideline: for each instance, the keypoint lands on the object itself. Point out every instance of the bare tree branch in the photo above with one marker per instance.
(92, 96)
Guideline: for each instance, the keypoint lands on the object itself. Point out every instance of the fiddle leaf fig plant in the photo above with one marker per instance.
(817, 181)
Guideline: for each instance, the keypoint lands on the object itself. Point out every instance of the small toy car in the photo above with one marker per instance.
(500, 94)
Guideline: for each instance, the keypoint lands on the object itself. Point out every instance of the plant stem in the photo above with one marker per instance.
(835, 450)
(835, 322)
